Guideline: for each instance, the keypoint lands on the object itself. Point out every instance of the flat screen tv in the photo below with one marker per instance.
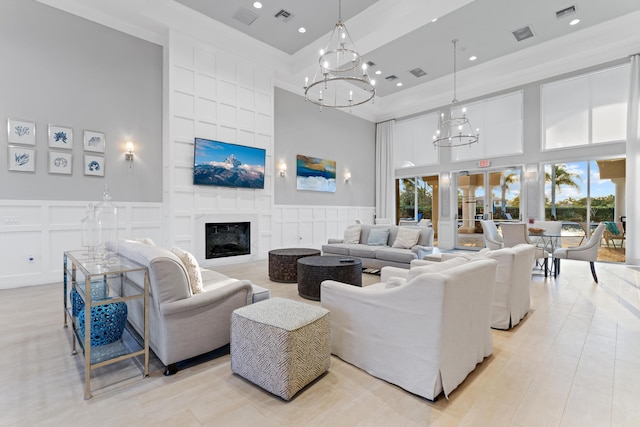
(227, 165)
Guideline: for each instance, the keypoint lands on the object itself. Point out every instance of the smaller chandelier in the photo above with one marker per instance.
(455, 131)
(341, 80)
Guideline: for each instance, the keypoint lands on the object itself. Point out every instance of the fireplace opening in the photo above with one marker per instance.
(224, 239)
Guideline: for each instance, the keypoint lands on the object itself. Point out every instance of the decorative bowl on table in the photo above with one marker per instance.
(536, 231)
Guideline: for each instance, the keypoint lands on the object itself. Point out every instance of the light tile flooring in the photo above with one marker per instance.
(573, 361)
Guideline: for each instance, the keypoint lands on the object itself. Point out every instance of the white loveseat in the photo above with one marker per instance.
(378, 256)
(511, 298)
(183, 325)
(425, 335)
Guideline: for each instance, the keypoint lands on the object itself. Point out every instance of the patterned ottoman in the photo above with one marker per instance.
(279, 344)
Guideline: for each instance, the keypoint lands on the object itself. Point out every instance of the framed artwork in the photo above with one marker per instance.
(315, 174)
(60, 137)
(94, 141)
(21, 132)
(22, 159)
(93, 165)
(60, 162)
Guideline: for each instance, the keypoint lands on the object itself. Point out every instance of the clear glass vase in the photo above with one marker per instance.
(106, 220)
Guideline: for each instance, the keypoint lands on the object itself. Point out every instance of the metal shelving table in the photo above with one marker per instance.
(109, 272)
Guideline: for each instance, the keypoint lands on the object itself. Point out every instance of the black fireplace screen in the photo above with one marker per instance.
(227, 239)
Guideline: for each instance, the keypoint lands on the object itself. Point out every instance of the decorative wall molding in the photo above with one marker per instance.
(35, 233)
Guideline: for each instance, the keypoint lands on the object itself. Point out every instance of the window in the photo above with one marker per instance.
(412, 141)
(589, 109)
(500, 122)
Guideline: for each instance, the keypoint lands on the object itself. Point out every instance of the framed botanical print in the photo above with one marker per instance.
(21, 132)
(60, 162)
(94, 141)
(93, 165)
(22, 159)
(60, 137)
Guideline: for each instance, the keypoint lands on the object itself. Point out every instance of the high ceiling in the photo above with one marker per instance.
(397, 36)
(483, 27)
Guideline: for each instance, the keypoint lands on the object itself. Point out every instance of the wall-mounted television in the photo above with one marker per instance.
(227, 165)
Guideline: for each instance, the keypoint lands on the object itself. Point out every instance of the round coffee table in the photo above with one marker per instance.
(282, 263)
(313, 270)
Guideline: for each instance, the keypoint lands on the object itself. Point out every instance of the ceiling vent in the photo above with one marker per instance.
(523, 33)
(245, 16)
(284, 15)
(391, 78)
(566, 12)
(418, 72)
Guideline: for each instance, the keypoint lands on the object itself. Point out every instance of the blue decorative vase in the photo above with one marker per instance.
(107, 323)
(98, 291)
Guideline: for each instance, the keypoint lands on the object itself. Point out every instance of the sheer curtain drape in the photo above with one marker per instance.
(633, 163)
(385, 184)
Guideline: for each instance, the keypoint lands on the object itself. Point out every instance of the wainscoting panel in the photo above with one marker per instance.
(34, 235)
(312, 226)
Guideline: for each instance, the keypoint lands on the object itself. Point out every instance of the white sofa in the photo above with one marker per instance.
(384, 255)
(425, 335)
(183, 325)
(511, 298)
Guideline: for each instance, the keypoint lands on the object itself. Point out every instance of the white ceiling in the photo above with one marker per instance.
(397, 35)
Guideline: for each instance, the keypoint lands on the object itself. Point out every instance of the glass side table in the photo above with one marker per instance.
(96, 293)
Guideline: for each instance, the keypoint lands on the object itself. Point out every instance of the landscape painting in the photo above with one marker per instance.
(228, 165)
(315, 174)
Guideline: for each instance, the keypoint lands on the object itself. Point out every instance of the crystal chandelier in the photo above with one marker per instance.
(455, 131)
(340, 81)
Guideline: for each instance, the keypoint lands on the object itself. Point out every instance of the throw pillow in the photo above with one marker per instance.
(378, 237)
(406, 238)
(394, 282)
(352, 234)
(193, 269)
(435, 267)
(146, 241)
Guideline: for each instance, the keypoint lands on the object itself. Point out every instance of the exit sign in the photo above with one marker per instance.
(484, 163)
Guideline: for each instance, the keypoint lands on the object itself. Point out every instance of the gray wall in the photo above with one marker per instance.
(300, 128)
(60, 69)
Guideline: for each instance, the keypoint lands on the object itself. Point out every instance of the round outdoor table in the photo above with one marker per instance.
(314, 269)
(283, 265)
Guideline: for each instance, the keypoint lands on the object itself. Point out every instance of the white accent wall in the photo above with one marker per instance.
(215, 95)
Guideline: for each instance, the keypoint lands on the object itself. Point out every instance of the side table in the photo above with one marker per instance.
(313, 270)
(283, 265)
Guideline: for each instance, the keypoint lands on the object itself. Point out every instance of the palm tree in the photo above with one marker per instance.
(509, 178)
(560, 177)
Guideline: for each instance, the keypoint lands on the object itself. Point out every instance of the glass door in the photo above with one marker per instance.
(493, 195)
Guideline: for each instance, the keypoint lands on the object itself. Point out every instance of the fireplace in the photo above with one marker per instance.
(225, 239)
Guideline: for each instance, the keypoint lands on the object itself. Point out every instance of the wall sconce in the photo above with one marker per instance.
(283, 169)
(129, 154)
(347, 177)
(445, 180)
(531, 173)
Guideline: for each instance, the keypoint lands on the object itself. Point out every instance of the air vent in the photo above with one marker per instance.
(391, 78)
(418, 72)
(370, 64)
(245, 16)
(284, 15)
(566, 12)
(522, 33)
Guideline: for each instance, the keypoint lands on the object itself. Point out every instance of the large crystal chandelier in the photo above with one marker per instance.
(341, 80)
(455, 131)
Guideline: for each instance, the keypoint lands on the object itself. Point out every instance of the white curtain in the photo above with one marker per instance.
(633, 164)
(385, 179)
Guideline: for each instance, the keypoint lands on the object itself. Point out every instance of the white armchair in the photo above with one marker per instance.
(492, 239)
(425, 335)
(586, 252)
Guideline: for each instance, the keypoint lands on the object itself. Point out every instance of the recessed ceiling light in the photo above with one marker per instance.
(473, 58)
(574, 22)
(302, 30)
(434, 19)
(378, 72)
(399, 84)
(257, 5)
